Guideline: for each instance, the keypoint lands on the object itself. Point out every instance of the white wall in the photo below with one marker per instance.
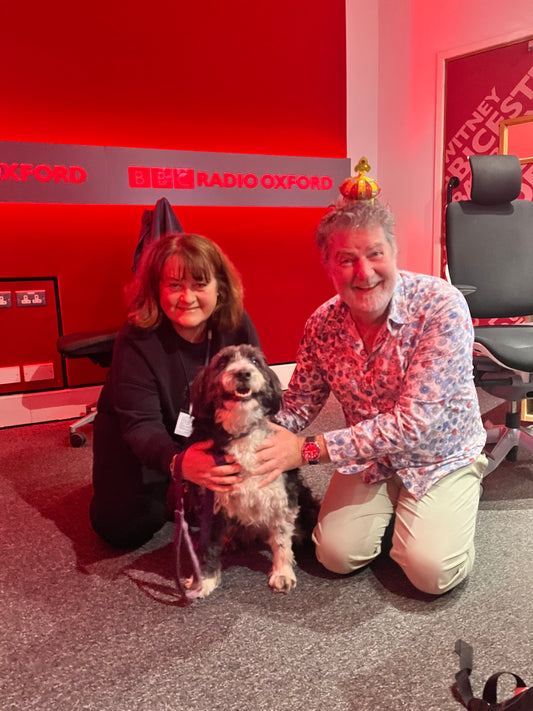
(412, 38)
(362, 82)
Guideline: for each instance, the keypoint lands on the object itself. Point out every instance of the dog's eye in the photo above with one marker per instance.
(223, 362)
(254, 361)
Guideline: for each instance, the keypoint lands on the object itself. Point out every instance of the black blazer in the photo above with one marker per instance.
(146, 388)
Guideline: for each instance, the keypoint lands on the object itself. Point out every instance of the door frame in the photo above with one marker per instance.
(442, 58)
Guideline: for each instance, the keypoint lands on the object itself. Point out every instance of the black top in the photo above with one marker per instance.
(148, 385)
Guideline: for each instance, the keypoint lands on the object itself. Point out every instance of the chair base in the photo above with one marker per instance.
(78, 439)
(98, 347)
(504, 440)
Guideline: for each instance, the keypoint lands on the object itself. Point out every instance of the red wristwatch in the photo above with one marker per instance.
(311, 451)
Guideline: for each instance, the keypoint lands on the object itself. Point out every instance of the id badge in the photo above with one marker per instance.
(184, 424)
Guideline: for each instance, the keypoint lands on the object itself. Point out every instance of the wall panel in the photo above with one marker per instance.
(230, 77)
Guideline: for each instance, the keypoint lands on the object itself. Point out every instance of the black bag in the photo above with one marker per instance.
(521, 701)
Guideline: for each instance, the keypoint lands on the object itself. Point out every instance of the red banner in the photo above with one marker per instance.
(482, 90)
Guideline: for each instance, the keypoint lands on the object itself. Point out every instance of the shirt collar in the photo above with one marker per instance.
(399, 309)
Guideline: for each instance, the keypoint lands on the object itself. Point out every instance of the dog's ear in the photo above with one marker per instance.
(202, 406)
(272, 395)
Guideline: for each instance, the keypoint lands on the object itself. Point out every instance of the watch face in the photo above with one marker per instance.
(311, 452)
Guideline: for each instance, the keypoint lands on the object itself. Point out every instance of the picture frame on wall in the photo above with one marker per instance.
(526, 414)
(516, 138)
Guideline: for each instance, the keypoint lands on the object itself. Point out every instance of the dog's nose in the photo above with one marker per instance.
(244, 375)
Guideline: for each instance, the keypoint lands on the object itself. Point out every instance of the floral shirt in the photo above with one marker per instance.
(410, 405)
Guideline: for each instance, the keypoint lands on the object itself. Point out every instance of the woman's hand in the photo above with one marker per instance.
(281, 451)
(199, 466)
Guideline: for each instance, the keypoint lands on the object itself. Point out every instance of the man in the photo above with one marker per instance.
(395, 349)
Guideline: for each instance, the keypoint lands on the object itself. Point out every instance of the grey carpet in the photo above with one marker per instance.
(84, 627)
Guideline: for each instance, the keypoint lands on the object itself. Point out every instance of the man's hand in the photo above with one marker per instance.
(280, 452)
(199, 466)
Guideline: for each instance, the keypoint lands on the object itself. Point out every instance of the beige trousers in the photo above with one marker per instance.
(433, 538)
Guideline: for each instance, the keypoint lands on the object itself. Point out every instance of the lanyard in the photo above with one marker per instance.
(188, 380)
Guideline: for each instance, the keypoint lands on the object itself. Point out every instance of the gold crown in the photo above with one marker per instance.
(361, 186)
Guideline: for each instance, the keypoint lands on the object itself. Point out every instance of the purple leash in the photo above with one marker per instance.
(182, 538)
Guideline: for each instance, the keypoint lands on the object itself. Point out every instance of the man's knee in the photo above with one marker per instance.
(432, 573)
(343, 556)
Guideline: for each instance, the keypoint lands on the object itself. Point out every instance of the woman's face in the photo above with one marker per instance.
(186, 302)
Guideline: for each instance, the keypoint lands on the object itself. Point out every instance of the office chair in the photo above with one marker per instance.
(489, 242)
(98, 347)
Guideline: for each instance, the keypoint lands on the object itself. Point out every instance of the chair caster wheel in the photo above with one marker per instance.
(77, 439)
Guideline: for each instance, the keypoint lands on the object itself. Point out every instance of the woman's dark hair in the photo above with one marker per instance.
(204, 260)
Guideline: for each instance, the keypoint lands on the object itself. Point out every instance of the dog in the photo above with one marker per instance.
(233, 399)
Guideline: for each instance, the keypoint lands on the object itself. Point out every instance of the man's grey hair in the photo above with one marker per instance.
(353, 214)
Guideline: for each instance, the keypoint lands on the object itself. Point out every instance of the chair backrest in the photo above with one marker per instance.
(489, 240)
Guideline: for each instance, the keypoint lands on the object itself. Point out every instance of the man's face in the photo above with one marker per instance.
(362, 265)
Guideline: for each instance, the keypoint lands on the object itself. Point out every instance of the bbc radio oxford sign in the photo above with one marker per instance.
(104, 175)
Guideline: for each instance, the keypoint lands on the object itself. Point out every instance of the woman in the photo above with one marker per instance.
(185, 304)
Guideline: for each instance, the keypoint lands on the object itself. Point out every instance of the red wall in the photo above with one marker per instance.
(233, 77)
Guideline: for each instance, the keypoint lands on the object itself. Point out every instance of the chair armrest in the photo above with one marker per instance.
(96, 345)
(466, 289)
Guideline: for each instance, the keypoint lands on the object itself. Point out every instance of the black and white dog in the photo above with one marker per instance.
(233, 401)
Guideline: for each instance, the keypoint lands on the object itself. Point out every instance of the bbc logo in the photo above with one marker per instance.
(180, 178)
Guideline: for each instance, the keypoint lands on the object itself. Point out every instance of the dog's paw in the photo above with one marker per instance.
(209, 583)
(282, 582)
